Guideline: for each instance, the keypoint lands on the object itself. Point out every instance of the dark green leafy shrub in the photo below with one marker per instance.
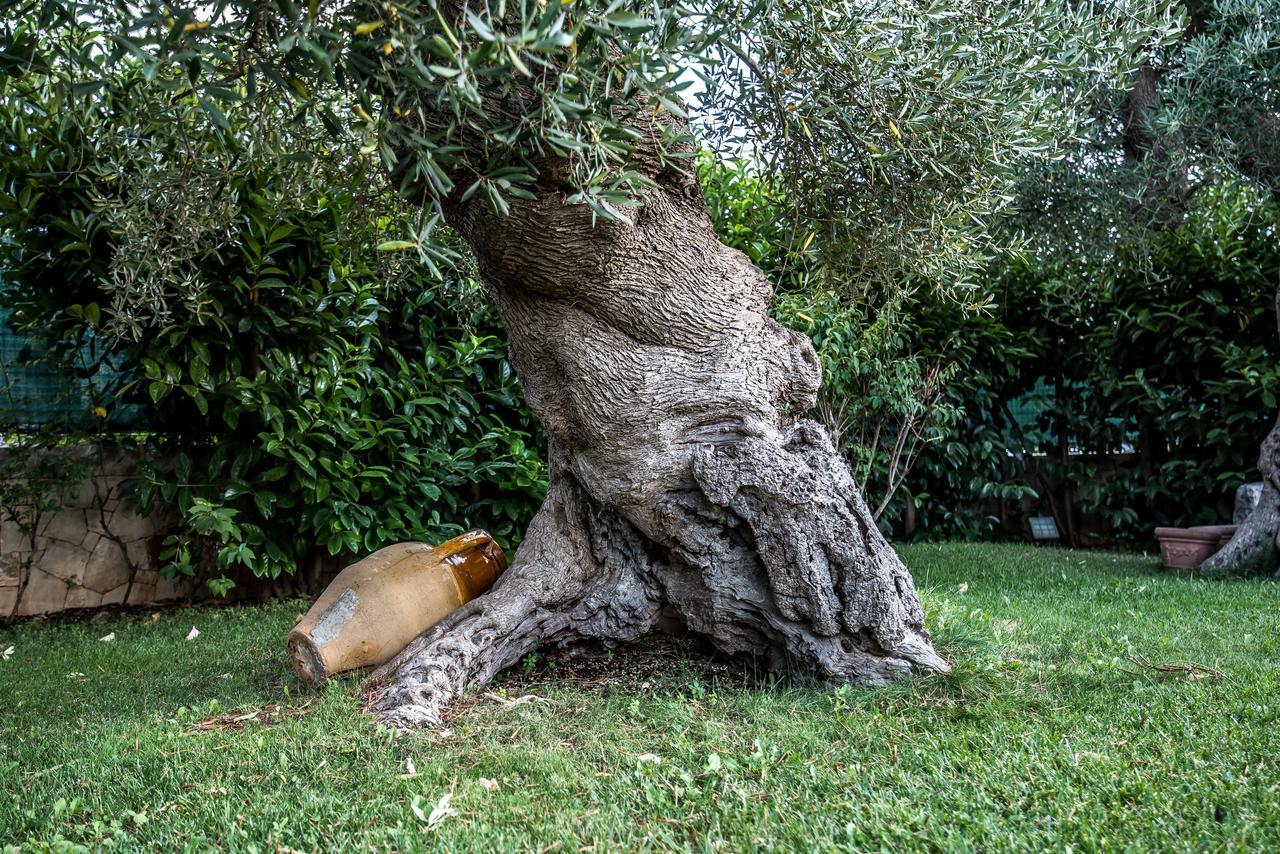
(1154, 387)
(1116, 405)
(313, 396)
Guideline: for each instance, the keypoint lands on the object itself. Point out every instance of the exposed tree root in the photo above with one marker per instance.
(771, 554)
(1253, 550)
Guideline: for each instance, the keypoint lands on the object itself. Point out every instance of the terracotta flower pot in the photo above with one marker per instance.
(1187, 548)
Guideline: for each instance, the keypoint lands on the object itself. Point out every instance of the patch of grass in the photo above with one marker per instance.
(1048, 735)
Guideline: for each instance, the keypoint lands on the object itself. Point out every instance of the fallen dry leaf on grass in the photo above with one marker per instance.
(267, 716)
(193, 634)
(1188, 670)
(108, 638)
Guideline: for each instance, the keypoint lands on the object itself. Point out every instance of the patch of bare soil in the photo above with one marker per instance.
(652, 660)
(117, 611)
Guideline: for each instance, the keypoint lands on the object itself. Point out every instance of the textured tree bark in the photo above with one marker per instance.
(684, 482)
(1255, 548)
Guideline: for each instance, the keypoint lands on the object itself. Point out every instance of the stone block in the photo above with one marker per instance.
(147, 577)
(140, 554)
(111, 483)
(168, 589)
(142, 594)
(82, 597)
(11, 537)
(7, 595)
(1247, 497)
(90, 541)
(84, 495)
(106, 568)
(10, 566)
(114, 596)
(68, 525)
(64, 561)
(45, 593)
(118, 466)
(129, 526)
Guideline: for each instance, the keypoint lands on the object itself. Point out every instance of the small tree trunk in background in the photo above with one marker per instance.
(1254, 549)
(684, 482)
(1065, 486)
(24, 571)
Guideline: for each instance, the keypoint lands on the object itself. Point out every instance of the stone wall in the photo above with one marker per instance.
(86, 551)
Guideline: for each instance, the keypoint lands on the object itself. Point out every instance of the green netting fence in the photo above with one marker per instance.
(39, 391)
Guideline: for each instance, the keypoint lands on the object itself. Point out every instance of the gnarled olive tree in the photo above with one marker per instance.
(686, 484)
(684, 480)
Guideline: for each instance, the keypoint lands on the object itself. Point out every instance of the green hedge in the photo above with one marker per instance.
(1172, 357)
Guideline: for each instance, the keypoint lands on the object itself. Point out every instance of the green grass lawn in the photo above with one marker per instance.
(1047, 736)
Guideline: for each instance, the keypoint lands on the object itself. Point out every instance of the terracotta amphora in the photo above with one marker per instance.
(374, 607)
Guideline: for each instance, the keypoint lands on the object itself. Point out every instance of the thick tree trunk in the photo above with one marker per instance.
(684, 482)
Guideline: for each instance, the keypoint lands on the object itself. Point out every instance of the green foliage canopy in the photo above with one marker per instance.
(898, 127)
(1204, 109)
(203, 175)
(893, 123)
